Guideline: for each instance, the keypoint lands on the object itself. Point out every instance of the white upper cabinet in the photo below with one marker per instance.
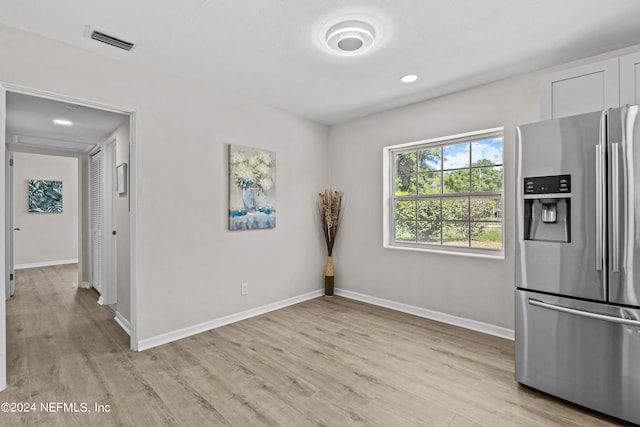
(630, 79)
(591, 87)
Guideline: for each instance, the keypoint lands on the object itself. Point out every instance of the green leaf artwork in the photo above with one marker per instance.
(45, 196)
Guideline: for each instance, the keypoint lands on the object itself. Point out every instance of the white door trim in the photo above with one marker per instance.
(3, 302)
(133, 247)
(133, 194)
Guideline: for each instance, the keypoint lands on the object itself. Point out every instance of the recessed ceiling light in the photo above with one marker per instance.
(62, 122)
(409, 78)
(350, 36)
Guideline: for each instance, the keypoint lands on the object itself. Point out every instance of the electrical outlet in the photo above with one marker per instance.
(244, 288)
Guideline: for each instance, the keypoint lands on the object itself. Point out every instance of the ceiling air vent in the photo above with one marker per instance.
(105, 38)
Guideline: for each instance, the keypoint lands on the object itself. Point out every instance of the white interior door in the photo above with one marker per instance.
(96, 220)
(103, 234)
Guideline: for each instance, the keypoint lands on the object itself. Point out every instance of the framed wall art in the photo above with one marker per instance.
(121, 178)
(45, 196)
(252, 188)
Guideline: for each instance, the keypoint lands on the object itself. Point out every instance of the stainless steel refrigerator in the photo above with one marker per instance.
(577, 296)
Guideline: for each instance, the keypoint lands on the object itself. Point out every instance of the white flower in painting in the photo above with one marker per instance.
(267, 184)
(244, 171)
(237, 158)
(264, 159)
(250, 168)
(263, 169)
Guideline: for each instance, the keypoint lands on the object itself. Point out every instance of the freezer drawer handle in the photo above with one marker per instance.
(588, 314)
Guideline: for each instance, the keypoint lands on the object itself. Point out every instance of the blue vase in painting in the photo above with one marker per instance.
(250, 198)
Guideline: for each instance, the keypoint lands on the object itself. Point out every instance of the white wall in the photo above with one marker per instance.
(189, 266)
(473, 288)
(45, 238)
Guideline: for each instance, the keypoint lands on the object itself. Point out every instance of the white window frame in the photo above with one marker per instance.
(388, 228)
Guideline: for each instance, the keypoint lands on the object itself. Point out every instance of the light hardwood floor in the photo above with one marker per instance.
(326, 362)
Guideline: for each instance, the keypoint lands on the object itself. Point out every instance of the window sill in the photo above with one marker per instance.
(469, 253)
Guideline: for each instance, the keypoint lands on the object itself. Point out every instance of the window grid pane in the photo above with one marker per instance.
(486, 179)
(406, 210)
(456, 181)
(430, 183)
(405, 231)
(430, 159)
(487, 235)
(455, 233)
(430, 232)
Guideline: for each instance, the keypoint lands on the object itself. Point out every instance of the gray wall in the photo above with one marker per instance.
(45, 238)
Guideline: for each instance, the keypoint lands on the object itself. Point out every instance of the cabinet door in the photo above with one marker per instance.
(630, 79)
(584, 89)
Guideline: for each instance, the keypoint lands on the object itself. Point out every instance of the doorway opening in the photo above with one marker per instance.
(45, 194)
(29, 128)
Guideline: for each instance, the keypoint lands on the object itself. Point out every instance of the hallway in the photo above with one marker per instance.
(60, 343)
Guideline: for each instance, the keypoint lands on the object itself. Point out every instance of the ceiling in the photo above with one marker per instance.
(30, 127)
(269, 50)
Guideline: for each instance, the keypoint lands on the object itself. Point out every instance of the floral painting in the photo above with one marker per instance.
(45, 196)
(252, 189)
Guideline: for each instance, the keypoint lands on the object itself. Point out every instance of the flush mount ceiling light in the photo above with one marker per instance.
(350, 37)
(409, 78)
(62, 122)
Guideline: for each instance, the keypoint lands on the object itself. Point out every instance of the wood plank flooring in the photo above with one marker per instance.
(326, 362)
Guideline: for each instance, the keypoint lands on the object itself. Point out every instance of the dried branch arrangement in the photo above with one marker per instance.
(330, 209)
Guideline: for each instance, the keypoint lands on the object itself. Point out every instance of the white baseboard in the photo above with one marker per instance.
(178, 334)
(45, 264)
(124, 323)
(430, 314)
(168, 337)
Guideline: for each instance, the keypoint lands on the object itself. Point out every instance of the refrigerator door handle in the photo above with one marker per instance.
(588, 314)
(599, 207)
(615, 208)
